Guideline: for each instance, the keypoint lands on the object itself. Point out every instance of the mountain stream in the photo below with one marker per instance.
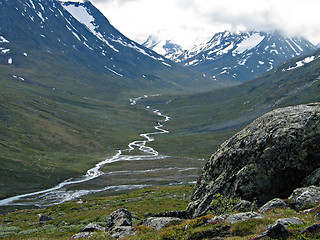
(131, 171)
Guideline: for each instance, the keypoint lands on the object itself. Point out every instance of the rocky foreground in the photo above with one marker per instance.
(269, 158)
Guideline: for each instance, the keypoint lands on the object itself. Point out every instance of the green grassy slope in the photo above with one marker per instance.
(48, 135)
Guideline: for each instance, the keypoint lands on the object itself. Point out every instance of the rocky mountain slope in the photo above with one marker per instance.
(67, 35)
(243, 55)
(268, 159)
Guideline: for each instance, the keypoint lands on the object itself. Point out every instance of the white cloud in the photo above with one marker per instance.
(190, 22)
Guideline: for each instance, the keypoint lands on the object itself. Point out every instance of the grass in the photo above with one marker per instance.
(69, 217)
(49, 135)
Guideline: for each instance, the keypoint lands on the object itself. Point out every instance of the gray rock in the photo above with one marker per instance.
(305, 196)
(44, 218)
(269, 158)
(92, 227)
(82, 235)
(289, 221)
(243, 206)
(274, 203)
(121, 232)
(120, 217)
(275, 231)
(159, 222)
(239, 217)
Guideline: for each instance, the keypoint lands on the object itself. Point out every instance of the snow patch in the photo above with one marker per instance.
(192, 63)
(17, 77)
(300, 63)
(10, 61)
(40, 16)
(3, 40)
(114, 72)
(81, 14)
(248, 43)
(4, 50)
(225, 50)
(166, 64)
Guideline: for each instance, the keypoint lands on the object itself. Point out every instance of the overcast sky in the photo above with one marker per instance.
(190, 22)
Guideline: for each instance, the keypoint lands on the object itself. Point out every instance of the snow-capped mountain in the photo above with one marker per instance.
(78, 34)
(243, 56)
(165, 47)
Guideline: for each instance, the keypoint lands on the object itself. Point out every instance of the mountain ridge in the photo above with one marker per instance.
(241, 56)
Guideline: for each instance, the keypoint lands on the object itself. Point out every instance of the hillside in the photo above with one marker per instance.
(200, 122)
(66, 76)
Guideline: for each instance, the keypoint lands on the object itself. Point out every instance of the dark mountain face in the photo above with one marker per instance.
(73, 35)
(242, 56)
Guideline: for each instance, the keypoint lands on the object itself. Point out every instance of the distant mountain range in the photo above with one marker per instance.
(238, 56)
(32, 32)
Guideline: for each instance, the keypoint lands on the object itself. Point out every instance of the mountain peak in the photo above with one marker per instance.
(162, 45)
(240, 56)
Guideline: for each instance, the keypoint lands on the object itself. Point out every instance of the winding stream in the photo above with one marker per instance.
(95, 180)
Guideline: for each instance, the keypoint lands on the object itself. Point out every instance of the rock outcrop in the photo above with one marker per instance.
(302, 197)
(269, 158)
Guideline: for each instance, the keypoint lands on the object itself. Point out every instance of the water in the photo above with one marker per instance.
(137, 166)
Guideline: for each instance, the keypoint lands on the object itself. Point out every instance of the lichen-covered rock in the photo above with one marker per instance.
(274, 203)
(120, 217)
(289, 221)
(275, 231)
(305, 196)
(239, 217)
(160, 222)
(243, 206)
(92, 227)
(121, 232)
(82, 235)
(269, 158)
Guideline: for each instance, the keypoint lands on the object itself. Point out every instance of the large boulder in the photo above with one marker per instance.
(119, 218)
(269, 158)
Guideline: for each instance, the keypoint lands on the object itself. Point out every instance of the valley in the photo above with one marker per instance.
(66, 75)
(136, 167)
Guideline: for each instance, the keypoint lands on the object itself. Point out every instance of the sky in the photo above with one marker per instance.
(190, 22)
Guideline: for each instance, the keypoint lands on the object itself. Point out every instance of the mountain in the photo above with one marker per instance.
(66, 76)
(77, 34)
(243, 55)
(163, 46)
(211, 117)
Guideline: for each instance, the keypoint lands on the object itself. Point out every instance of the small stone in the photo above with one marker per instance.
(160, 222)
(239, 217)
(92, 227)
(243, 206)
(274, 203)
(289, 221)
(302, 197)
(82, 235)
(275, 231)
(121, 232)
